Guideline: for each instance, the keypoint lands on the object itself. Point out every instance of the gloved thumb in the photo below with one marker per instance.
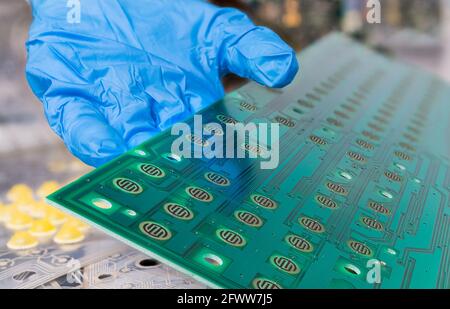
(259, 54)
(87, 134)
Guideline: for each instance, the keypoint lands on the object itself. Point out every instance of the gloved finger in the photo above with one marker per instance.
(152, 103)
(87, 134)
(142, 119)
(256, 52)
(135, 124)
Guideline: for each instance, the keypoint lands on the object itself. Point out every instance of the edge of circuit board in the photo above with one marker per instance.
(118, 232)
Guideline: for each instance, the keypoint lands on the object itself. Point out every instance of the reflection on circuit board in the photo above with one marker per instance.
(364, 177)
(126, 270)
(32, 260)
(40, 243)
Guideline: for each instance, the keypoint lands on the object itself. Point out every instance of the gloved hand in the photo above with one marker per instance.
(132, 68)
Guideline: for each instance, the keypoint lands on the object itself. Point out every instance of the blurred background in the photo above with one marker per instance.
(416, 31)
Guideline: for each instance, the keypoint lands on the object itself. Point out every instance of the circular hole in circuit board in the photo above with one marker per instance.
(391, 251)
(147, 263)
(105, 277)
(352, 269)
(399, 166)
(345, 175)
(140, 152)
(386, 194)
(102, 203)
(213, 260)
(173, 157)
(131, 213)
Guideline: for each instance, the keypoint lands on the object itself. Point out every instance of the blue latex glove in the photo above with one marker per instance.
(132, 68)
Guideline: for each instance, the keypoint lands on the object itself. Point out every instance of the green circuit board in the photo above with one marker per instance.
(361, 191)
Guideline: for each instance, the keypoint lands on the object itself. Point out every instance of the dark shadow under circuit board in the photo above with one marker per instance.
(360, 198)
